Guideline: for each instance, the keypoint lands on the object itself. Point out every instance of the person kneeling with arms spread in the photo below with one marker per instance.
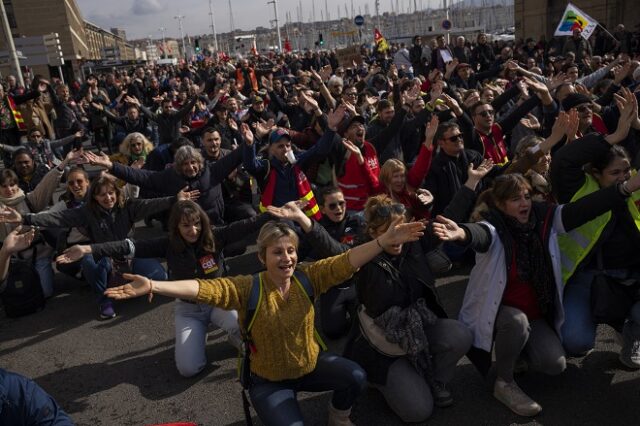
(285, 358)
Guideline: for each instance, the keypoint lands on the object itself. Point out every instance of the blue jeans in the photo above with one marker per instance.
(276, 403)
(579, 328)
(192, 324)
(97, 273)
(45, 272)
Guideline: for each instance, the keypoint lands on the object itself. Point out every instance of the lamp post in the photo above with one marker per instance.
(213, 26)
(15, 63)
(164, 43)
(275, 11)
(184, 48)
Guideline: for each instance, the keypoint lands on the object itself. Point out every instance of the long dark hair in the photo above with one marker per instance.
(191, 211)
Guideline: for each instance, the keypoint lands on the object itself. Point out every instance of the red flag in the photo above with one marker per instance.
(287, 46)
(381, 42)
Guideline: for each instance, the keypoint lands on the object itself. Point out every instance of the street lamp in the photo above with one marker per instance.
(184, 48)
(275, 11)
(164, 43)
(213, 26)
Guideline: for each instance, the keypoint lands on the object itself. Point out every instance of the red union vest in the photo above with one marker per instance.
(304, 192)
(17, 115)
(493, 145)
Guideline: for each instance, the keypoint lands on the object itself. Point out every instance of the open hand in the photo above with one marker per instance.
(185, 194)
(448, 230)
(138, 286)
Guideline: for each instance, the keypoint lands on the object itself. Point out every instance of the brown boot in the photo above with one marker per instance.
(339, 417)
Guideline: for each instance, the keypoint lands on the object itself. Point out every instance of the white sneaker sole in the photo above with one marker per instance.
(525, 412)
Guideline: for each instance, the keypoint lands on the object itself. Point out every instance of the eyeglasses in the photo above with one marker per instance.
(486, 113)
(386, 211)
(333, 206)
(584, 108)
(454, 138)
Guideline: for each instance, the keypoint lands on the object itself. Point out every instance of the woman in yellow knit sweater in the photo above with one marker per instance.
(286, 358)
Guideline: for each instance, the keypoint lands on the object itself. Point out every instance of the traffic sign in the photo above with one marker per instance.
(359, 20)
(446, 24)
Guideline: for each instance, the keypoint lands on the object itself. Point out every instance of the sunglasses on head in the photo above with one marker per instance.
(386, 211)
(486, 113)
(333, 206)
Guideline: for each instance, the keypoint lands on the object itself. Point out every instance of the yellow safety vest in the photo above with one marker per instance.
(577, 244)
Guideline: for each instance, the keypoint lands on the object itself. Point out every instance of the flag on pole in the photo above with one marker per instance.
(573, 18)
(381, 42)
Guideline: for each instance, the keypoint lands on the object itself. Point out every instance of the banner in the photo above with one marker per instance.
(348, 56)
(575, 18)
(381, 42)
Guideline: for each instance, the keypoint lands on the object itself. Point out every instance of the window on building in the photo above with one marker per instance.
(11, 17)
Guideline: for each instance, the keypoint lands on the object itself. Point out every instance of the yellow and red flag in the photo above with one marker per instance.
(381, 42)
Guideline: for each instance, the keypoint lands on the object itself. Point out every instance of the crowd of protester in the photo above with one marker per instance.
(517, 160)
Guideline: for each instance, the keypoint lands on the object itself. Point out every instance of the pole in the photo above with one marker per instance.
(275, 11)
(164, 43)
(213, 26)
(378, 14)
(15, 63)
(184, 48)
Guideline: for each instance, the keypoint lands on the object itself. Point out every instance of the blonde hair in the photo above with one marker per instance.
(389, 167)
(272, 232)
(125, 145)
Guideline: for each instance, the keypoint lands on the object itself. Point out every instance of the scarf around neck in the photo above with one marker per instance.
(13, 201)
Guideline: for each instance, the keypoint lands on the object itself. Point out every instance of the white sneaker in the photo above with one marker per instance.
(510, 394)
(630, 351)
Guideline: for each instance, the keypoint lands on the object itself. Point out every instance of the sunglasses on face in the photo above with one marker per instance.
(486, 113)
(584, 108)
(454, 138)
(386, 211)
(333, 206)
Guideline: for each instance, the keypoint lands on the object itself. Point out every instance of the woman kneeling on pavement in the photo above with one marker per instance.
(193, 248)
(514, 296)
(397, 291)
(107, 216)
(285, 358)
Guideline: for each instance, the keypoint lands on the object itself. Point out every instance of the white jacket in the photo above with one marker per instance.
(488, 280)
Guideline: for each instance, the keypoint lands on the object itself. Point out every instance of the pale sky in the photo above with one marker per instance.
(141, 18)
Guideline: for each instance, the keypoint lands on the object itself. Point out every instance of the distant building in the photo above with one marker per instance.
(80, 41)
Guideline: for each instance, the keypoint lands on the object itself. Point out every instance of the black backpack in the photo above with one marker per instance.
(22, 294)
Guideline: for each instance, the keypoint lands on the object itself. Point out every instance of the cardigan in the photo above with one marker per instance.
(283, 332)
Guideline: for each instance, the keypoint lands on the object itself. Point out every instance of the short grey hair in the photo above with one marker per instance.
(335, 81)
(186, 153)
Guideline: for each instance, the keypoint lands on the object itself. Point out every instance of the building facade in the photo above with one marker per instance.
(80, 40)
(534, 18)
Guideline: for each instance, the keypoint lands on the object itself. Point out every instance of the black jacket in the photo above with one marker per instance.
(169, 124)
(170, 182)
(447, 175)
(102, 225)
(380, 284)
(192, 261)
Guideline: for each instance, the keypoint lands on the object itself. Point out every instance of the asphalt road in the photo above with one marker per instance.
(121, 372)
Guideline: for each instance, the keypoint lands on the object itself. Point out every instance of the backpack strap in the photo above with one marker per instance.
(301, 279)
(255, 298)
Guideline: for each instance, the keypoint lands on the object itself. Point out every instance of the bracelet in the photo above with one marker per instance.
(379, 245)
(150, 290)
